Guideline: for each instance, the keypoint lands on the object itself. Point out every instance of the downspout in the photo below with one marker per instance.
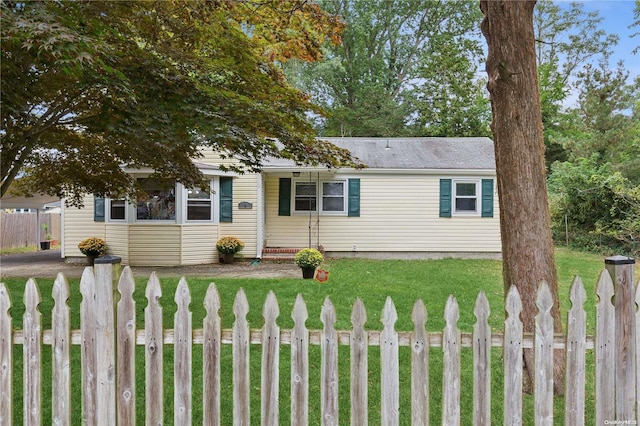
(260, 216)
(318, 213)
(310, 220)
(62, 210)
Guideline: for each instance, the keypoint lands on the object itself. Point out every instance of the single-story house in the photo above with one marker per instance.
(417, 198)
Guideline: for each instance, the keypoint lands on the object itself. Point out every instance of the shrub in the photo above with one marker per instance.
(93, 246)
(229, 245)
(597, 206)
(309, 258)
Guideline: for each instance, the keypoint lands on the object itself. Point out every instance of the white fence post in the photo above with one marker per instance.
(621, 270)
(105, 342)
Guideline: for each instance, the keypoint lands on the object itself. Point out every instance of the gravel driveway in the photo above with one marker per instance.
(47, 264)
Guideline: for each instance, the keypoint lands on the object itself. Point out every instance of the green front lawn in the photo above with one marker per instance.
(372, 281)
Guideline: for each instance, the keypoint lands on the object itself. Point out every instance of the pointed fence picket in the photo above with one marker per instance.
(451, 364)
(241, 339)
(359, 365)
(6, 358)
(512, 350)
(270, 361)
(211, 358)
(543, 357)
(61, 333)
(119, 378)
(329, 368)
(482, 362)
(32, 355)
(126, 349)
(604, 350)
(299, 364)
(575, 356)
(419, 341)
(154, 343)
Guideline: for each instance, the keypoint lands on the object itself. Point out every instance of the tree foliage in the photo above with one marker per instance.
(605, 125)
(567, 39)
(90, 86)
(402, 67)
(594, 206)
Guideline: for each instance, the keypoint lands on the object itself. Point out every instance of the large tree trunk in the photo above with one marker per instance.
(527, 245)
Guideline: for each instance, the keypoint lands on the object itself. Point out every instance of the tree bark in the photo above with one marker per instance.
(527, 244)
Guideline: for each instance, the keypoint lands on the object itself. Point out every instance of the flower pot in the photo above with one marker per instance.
(91, 259)
(45, 245)
(308, 272)
(227, 257)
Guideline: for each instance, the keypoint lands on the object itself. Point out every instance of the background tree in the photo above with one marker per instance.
(604, 104)
(90, 86)
(402, 67)
(600, 204)
(527, 244)
(636, 24)
(567, 39)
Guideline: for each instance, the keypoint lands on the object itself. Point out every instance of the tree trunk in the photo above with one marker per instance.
(527, 244)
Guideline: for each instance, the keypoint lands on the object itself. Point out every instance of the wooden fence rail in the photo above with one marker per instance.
(108, 369)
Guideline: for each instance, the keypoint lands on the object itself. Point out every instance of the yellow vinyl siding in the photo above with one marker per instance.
(117, 237)
(398, 213)
(199, 244)
(79, 225)
(245, 221)
(154, 245)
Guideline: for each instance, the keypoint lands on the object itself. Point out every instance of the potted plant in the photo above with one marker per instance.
(308, 259)
(92, 247)
(46, 243)
(228, 247)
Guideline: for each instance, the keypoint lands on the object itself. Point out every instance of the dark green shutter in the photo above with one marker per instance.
(284, 197)
(226, 199)
(354, 198)
(487, 197)
(445, 197)
(98, 209)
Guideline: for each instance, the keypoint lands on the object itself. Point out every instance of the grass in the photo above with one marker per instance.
(24, 249)
(372, 281)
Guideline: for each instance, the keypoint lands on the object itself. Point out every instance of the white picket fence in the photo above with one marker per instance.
(108, 369)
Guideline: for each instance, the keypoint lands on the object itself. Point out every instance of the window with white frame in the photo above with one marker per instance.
(466, 197)
(199, 205)
(118, 210)
(333, 199)
(305, 197)
(328, 195)
(156, 199)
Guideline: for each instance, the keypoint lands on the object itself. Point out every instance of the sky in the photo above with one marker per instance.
(617, 16)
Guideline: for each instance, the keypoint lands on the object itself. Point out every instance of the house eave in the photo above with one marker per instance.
(372, 171)
(205, 169)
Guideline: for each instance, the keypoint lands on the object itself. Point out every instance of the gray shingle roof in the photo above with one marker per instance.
(415, 153)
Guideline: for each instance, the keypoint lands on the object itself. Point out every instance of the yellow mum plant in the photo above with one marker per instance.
(229, 245)
(309, 258)
(93, 246)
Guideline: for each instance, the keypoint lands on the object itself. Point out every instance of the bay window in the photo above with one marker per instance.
(156, 200)
(164, 200)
